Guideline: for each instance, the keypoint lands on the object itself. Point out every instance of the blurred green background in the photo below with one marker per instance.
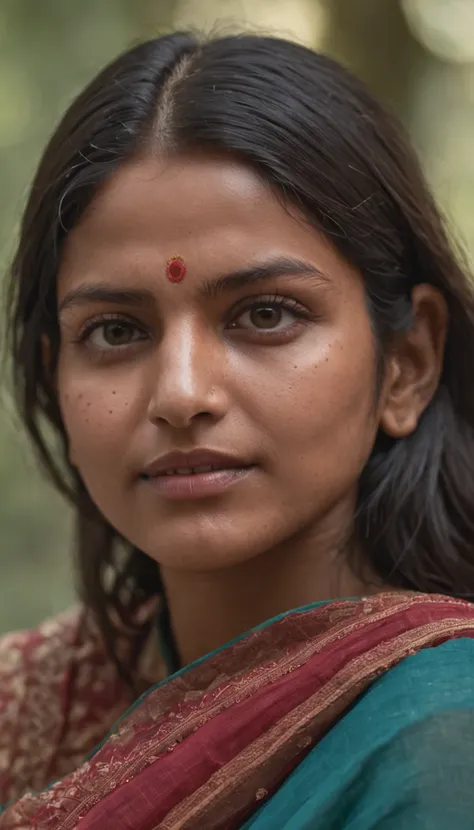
(417, 55)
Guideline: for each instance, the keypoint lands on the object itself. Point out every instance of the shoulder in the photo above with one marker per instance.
(401, 757)
(36, 657)
(58, 697)
(412, 742)
(19, 647)
(434, 679)
(422, 697)
(418, 757)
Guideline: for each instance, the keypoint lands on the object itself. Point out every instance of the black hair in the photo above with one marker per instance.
(315, 133)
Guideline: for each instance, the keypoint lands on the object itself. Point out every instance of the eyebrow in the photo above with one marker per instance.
(103, 293)
(210, 288)
(260, 271)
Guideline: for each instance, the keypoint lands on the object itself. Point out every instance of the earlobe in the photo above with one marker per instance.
(414, 364)
(398, 420)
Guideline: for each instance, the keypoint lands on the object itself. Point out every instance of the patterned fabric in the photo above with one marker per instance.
(207, 747)
(59, 695)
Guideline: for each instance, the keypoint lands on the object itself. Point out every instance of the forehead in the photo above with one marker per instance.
(172, 198)
(217, 214)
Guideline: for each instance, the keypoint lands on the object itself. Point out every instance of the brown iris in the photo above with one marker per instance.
(265, 317)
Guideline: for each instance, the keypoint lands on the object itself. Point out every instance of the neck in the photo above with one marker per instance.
(208, 609)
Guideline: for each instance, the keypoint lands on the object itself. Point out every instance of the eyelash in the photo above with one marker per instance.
(272, 301)
(95, 323)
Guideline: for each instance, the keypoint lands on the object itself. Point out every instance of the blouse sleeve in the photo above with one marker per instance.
(401, 759)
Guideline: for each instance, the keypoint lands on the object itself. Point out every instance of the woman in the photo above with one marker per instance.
(235, 305)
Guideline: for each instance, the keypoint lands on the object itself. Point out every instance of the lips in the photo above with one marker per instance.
(185, 477)
(197, 462)
(188, 471)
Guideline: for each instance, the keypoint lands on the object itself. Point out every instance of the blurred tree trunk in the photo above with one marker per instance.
(372, 38)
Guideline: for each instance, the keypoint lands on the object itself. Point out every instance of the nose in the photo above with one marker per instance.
(188, 377)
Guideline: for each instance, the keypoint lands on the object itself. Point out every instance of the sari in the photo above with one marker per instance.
(59, 696)
(339, 714)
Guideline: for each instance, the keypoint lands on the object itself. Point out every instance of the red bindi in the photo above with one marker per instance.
(175, 269)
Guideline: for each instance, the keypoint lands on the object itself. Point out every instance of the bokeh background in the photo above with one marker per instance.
(416, 55)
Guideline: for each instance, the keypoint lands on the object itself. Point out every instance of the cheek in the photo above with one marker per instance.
(323, 412)
(98, 416)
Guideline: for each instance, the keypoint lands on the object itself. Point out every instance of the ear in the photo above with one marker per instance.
(414, 364)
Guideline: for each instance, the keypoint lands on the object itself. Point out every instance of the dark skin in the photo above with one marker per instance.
(279, 371)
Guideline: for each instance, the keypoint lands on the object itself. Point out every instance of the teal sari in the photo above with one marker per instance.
(354, 714)
(401, 759)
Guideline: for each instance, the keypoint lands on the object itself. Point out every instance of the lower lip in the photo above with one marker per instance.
(197, 485)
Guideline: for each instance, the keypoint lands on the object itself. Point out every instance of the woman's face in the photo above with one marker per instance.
(260, 363)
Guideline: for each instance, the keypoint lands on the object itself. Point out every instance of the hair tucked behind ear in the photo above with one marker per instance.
(315, 134)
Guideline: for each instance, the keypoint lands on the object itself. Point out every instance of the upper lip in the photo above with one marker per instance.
(196, 458)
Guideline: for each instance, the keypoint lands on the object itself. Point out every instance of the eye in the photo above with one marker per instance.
(267, 317)
(112, 334)
(275, 315)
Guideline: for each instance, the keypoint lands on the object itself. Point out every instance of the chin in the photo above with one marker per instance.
(208, 558)
(208, 537)
(204, 549)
